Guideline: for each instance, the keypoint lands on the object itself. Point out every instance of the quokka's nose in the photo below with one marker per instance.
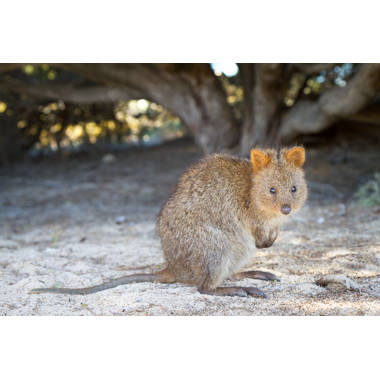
(285, 209)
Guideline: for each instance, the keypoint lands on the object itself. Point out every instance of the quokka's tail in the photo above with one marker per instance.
(106, 285)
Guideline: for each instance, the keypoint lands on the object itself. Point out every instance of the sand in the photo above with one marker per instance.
(77, 221)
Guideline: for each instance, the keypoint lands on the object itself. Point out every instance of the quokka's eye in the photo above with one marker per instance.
(294, 189)
(272, 190)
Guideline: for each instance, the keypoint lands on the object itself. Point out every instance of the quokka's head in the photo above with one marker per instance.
(279, 186)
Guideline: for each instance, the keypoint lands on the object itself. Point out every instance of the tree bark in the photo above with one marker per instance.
(264, 89)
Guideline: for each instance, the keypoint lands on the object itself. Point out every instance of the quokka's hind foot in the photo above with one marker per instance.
(257, 275)
(237, 291)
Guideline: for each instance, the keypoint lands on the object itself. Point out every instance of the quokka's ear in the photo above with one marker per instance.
(259, 159)
(295, 155)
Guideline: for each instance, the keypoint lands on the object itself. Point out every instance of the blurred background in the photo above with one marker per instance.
(89, 153)
(47, 108)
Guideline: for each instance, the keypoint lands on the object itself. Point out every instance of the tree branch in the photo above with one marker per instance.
(6, 67)
(68, 93)
(313, 68)
(337, 103)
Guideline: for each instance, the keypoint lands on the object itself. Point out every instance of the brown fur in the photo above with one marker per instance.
(221, 205)
(221, 208)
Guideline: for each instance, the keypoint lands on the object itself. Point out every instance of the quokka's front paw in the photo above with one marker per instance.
(266, 241)
(264, 244)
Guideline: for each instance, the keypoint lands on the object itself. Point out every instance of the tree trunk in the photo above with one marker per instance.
(264, 89)
(197, 97)
(192, 92)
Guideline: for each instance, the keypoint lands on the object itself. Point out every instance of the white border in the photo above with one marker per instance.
(189, 348)
(196, 31)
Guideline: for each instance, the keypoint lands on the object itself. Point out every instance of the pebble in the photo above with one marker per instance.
(337, 279)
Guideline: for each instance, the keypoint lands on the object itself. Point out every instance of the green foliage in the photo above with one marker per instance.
(301, 85)
(368, 195)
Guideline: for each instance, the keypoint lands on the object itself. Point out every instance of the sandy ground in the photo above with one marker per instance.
(58, 228)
